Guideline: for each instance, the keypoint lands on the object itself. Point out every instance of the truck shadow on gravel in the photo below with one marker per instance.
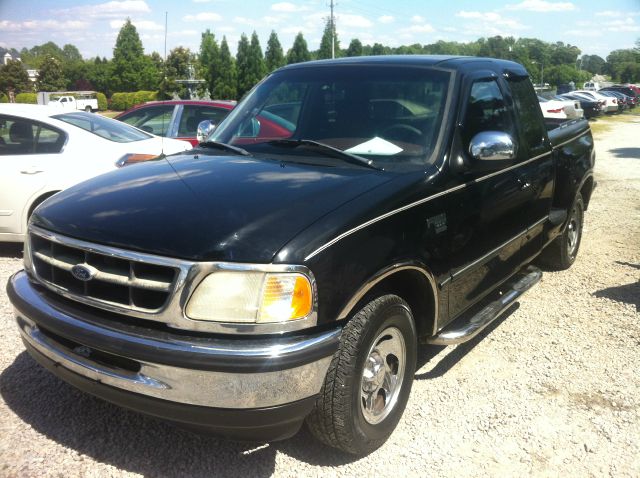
(137, 443)
(626, 152)
(627, 293)
(427, 354)
(11, 249)
(141, 444)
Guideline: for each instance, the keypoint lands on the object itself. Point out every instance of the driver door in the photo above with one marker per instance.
(486, 216)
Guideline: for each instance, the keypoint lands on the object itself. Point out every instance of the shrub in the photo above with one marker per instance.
(123, 101)
(30, 98)
(102, 101)
(117, 101)
(4, 98)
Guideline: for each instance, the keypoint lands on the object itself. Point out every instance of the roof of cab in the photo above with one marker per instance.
(442, 61)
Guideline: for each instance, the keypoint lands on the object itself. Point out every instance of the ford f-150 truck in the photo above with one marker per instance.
(261, 281)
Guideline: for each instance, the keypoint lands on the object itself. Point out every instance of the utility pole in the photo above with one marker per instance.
(333, 33)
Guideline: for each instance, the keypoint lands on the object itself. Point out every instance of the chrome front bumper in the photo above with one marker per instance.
(228, 374)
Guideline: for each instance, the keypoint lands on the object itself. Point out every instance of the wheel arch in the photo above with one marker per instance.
(413, 282)
(37, 201)
(586, 189)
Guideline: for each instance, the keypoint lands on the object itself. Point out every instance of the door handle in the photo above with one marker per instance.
(31, 171)
(524, 183)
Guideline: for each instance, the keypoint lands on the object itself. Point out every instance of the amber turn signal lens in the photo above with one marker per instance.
(285, 297)
(135, 158)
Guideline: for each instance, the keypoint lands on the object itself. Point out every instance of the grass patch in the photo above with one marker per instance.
(606, 123)
(109, 113)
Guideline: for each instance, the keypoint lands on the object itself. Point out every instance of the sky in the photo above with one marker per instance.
(596, 27)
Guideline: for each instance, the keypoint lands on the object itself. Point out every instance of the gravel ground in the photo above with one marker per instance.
(550, 389)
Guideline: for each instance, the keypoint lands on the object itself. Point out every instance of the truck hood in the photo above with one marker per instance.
(205, 208)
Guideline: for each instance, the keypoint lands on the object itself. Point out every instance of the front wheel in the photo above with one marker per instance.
(369, 380)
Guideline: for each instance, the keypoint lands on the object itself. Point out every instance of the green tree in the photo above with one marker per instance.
(35, 56)
(355, 48)
(299, 52)
(242, 65)
(128, 59)
(178, 62)
(151, 74)
(71, 53)
(257, 65)
(13, 77)
(99, 74)
(76, 73)
(495, 47)
(250, 61)
(274, 56)
(592, 63)
(209, 59)
(377, 49)
(621, 63)
(225, 87)
(561, 74)
(325, 43)
(50, 76)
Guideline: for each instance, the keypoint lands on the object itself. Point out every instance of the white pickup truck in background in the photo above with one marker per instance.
(76, 100)
(71, 103)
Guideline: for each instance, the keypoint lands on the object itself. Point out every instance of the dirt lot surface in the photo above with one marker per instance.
(551, 389)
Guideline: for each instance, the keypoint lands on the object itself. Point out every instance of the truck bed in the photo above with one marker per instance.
(561, 131)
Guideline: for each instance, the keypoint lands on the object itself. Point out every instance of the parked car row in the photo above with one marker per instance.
(612, 99)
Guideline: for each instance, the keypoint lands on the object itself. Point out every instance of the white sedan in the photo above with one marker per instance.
(560, 108)
(44, 150)
(609, 104)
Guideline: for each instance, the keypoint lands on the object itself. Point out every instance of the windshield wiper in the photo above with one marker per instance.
(225, 146)
(329, 150)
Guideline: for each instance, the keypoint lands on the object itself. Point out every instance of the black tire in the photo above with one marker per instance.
(562, 252)
(338, 418)
(88, 109)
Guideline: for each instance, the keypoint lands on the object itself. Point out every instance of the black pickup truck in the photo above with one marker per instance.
(287, 268)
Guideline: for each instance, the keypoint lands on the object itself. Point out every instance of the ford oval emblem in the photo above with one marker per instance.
(83, 272)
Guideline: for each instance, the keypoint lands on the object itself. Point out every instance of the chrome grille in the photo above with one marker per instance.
(117, 280)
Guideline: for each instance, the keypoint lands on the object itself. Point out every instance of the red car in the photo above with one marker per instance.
(176, 118)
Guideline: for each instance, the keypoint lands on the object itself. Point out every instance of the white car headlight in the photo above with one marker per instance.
(251, 297)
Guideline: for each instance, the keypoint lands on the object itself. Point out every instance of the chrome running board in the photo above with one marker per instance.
(467, 327)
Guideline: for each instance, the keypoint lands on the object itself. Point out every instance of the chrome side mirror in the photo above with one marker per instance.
(493, 146)
(204, 129)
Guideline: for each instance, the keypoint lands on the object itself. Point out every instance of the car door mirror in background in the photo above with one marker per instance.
(493, 146)
(204, 128)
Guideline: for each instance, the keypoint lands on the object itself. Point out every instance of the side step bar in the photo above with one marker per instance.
(467, 327)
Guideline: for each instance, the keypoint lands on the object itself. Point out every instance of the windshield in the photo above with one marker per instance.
(104, 127)
(389, 115)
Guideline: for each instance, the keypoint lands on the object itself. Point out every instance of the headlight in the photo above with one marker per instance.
(251, 297)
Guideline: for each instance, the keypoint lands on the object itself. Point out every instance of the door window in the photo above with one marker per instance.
(152, 119)
(19, 136)
(192, 115)
(486, 110)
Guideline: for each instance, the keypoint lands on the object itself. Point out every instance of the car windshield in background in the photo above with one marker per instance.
(389, 116)
(104, 127)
